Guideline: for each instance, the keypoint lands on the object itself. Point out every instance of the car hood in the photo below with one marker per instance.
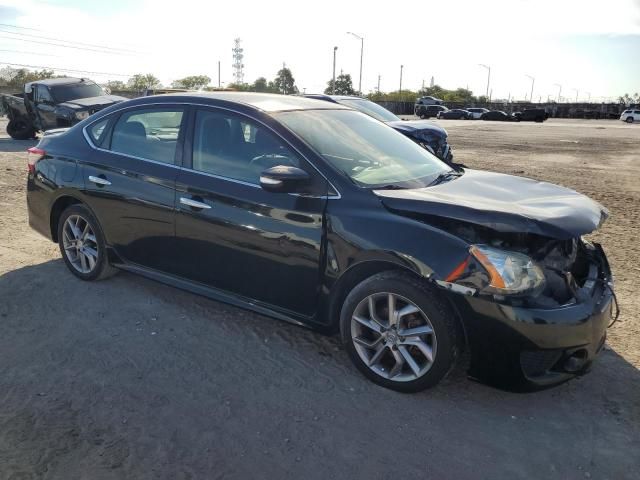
(415, 126)
(101, 101)
(504, 203)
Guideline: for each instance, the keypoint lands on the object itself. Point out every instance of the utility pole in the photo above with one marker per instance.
(533, 80)
(577, 93)
(401, 68)
(559, 90)
(333, 88)
(361, 53)
(589, 98)
(378, 83)
(218, 73)
(488, 76)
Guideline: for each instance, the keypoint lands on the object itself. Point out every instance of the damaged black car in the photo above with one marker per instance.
(316, 214)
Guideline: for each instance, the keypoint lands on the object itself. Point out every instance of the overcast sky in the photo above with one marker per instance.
(591, 46)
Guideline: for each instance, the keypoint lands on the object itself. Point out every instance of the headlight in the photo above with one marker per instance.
(82, 115)
(509, 272)
(499, 272)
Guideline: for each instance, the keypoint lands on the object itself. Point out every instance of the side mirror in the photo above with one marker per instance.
(283, 179)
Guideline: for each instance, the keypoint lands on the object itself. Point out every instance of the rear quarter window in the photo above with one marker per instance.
(97, 132)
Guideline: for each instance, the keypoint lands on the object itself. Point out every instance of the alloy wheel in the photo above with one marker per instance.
(80, 245)
(393, 337)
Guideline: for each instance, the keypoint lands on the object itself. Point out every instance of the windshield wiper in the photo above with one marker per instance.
(391, 186)
(446, 176)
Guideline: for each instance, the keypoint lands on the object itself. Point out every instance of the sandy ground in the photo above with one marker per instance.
(131, 379)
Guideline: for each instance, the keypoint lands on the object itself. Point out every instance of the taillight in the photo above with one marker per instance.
(35, 154)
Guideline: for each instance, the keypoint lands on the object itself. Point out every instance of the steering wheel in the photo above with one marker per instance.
(263, 162)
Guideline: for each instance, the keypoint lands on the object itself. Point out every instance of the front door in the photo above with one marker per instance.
(236, 237)
(130, 182)
(45, 109)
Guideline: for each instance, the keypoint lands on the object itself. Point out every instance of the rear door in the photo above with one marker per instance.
(236, 237)
(130, 181)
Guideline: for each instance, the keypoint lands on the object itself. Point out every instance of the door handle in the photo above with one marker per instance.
(99, 180)
(193, 203)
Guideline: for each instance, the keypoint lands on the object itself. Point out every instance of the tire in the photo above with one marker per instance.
(629, 120)
(20, 130)
(384, 347)
(423, 116)
(96, 269)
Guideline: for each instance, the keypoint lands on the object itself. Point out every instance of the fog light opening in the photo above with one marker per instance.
(576, 361)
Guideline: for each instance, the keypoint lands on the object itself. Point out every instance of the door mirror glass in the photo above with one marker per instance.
(283, 179)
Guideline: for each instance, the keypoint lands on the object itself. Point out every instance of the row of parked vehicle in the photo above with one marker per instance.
(316, 211)
(473, 113)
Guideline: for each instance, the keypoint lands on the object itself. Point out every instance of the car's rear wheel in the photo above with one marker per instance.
(82, 244)
(20, 130)
(629, 119)
(398, 332)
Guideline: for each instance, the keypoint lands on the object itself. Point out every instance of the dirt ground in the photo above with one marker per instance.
(128, 378)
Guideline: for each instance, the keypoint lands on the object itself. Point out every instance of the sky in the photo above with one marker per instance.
(590, 48)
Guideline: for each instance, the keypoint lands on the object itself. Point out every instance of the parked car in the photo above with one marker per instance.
(476, 113)
(428, 111)
(498, 116)
(630, 116)
(531, 115)
(428, 100)
(455, 114)
(53, 103)
(314, 213)
(426, 134)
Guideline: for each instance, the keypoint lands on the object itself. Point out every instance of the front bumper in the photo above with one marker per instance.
(537, 347)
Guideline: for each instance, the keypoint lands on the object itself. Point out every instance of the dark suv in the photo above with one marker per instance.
(428, 111)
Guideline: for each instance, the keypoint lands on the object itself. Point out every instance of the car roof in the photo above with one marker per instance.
(333, 98)
(266, 102)
(58, 81)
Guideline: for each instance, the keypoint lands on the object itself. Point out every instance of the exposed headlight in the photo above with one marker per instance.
(82, 115)
(499, 272)
(509, 272)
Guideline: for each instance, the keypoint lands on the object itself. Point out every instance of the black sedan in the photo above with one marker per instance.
(455, 114)
(430, 136)
(317, 214)
(498, 116)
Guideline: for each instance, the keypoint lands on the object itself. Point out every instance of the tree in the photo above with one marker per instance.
(284, 82)
(344, 85)
(116, 85)
(141, 82)
(17, 77)
(192, 82)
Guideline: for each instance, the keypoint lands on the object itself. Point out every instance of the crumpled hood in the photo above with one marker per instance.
(414, 126)
(504, 203)
(101, 101)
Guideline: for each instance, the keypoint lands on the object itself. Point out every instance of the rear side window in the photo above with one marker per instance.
(98, 131)
(235, 147)
(148, 134)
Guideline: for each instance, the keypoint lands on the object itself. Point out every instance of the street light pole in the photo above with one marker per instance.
(361, 53)
(577, 93)
(533, 80)
(488, 77)
(400, 91)
(378, 83)
(589, 97)
(559, 90)
(333, 87)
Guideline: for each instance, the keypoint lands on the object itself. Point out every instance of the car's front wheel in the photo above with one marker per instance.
(82, 244)
(398, 332)
(629, 119)
(20, 130)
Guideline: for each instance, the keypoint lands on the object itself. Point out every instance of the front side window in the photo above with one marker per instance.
(43, 95)
(232, 146)
(151, 134)
(369, 152)
(370, 108)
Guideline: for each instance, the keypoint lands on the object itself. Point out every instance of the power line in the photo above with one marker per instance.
(31, 53)
(106, 47)
(67, 70)
(61, 45)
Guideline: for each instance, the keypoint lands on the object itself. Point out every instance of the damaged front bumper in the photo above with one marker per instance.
(537, 347)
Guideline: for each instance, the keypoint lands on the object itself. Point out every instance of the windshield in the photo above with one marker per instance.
(65, 93)
(370, 108)
(370, 153)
